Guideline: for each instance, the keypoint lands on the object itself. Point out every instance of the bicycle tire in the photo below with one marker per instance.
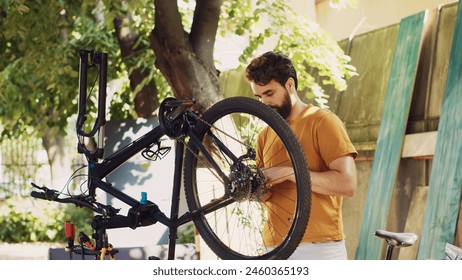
(223, 228)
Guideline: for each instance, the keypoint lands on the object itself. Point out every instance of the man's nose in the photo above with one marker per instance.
(264, 100)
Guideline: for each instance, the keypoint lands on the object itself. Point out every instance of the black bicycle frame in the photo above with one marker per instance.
(97, 171)
(139, 214)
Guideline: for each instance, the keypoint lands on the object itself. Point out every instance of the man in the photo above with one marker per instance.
(328, 149)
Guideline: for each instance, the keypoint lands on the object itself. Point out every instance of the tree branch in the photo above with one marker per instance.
(204, 29)
(186, 72)
(168, 22)
(146, 100)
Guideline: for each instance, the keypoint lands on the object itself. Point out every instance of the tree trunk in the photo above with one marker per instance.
(186, 60)
(146, 99)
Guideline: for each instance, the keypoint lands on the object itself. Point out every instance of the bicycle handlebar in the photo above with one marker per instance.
(40, 195)
(53, 195)
(115, 221)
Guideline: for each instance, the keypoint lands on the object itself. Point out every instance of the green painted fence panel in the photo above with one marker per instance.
(443, 201)
(392, 130)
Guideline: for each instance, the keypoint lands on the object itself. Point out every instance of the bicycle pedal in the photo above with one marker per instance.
(153, 258)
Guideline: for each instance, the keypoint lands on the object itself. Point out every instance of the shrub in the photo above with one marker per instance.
(24, 219)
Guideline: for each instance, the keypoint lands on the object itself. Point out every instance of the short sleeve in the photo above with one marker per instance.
(333, 139)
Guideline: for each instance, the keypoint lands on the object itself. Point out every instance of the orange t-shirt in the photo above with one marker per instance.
(323, 138)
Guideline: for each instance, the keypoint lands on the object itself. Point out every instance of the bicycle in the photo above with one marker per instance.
(216, 154)
(407, 239)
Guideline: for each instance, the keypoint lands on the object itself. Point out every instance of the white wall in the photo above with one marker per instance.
(135, 176)
(369, 15)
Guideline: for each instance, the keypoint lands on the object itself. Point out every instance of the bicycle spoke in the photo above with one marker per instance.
(246, 228)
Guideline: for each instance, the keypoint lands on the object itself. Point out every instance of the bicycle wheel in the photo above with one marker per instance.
(225, 184)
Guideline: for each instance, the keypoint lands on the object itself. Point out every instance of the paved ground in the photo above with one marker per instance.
(35, 251)
(47, 251)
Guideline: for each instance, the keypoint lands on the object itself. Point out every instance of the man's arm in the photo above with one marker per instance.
(340, 179)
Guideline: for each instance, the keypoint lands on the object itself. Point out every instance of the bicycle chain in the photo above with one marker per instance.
(256, 195)
(198, 118)
(181, 139)
(210, 125)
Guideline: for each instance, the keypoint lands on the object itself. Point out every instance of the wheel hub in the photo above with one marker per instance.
(247, 182)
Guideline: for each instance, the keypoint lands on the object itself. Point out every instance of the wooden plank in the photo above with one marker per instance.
(419, 145)
(391, 134)
(414, 221)
(442, 208)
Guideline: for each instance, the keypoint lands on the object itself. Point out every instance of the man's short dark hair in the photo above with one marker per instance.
(271, 66)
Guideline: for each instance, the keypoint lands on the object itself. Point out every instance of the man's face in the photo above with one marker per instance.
(274, 95)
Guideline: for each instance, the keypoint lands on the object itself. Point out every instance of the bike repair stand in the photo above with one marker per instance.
(70, 236)
(99, 250)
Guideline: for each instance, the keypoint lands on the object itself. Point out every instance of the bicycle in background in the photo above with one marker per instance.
(406, 239)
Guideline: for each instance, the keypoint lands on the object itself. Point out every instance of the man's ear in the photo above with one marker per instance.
(290, 83)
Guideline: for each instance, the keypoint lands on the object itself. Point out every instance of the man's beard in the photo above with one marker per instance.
(285, 108)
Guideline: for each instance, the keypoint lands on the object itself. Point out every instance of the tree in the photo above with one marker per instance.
(155, 47)
(39, 73)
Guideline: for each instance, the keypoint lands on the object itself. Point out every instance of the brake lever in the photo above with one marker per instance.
(38, 187)
(49, 194)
